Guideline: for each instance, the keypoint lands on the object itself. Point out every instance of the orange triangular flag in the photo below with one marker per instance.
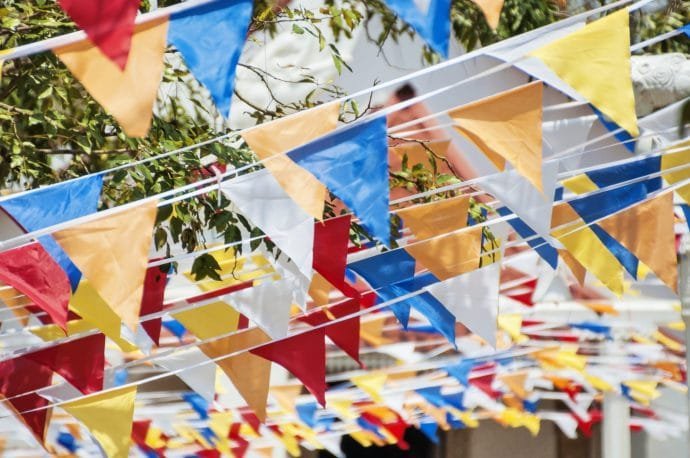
(436, 218)
(249, 373)
(577, 269)
(421, 152)
(371, 331)
(595, 61)
(492, 11)
(647, 231)
(112, 253)
(450, 255)
(507, 126)
(283, 135)
(127, 95)
(516, 383)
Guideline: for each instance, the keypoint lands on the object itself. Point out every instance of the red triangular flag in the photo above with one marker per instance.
(81, 362)
(331, 239)
(240, 450)
(32, 271)
(109, 24)
(344, 334)
(304, 356)
(18, 376)
(152, 301)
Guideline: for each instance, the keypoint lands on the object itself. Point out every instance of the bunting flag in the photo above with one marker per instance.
(81, 362)
(128, 95)
(267, 304)
(372, 384)
(262, 200)
(429, 154)
(507, 126)
(541, 246)
(429, 18)
(492, 11)
(516, 383)
(530, 205)
(436, 218)
(152, 301)
(353, 164)
(126, 237)
(33, 409)
(210, 320)
(212, 58)
(450, 255)
(647, 231)
(673, 160)
(108, 24)
(473, 299)
(295, 130)
(344, 334)
(331, 239)
(201, 379)
(595, 61)
(32, 271)
(304, 356)
(249, 373)
(108, 417)
(53, 205)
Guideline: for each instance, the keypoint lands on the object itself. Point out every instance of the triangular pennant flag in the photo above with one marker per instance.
(210, 37)
(428, 153)
(344, 334)
(304, 356)
(267, 304)
(436, 218)
(449, 255)
(152, 301)
(19, 376)
(331, 239)
(371, 331)
(109, 25)
(210, 320)
(473, 299)
(261, 199)
(543, 249)
(295, 130)
(673, 160)
(286, 396)
(32, 271)
(124, 238)
(108, 417)
(81, 362)
(492, 11)
(371, 384)
(429, 18)
(56, 204)
(516, 383)
(353, 164)
(647, 231)
(201, 379)
(595, 61)
(507, 126)
(516, 193)
(249, 373)
(127, 95)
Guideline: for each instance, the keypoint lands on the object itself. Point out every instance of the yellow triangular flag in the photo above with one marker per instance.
(278, 137)
(372, 384)
(210, 320)
(647, 231)
(108, 417)
(516, 383)
(492, 11)
(112, 253)
(507, 126)
(512, 325)
(450, 255)
(371, 331)
(595, 61)
(343, 407)
(286, 396)
(128, 95)
(678, 159)
(436, 218)
(249, 373)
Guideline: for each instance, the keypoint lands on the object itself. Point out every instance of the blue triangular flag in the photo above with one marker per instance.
(53, 205)
(429, 18)
(432, 395)
(461, 371)
(543, 249)
(686, 213)
(210, 37)
(429, 429)
(307, 413)
(686, 29)
(353, 164)
(198, 403)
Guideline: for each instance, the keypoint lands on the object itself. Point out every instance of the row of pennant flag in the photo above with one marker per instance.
(86, 275)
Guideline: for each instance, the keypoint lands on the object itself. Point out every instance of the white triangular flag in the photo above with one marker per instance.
(473, 299)
(515, 192)
(565, 422)
(266, 304)
(568, 134)
(201, 379)
(264, 202)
